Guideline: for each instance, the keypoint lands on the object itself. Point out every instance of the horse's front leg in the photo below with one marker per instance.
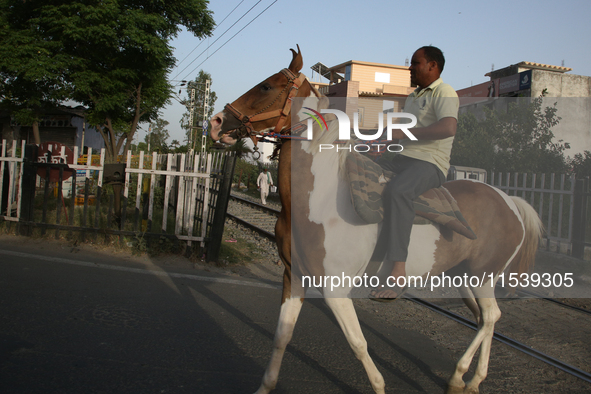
(290, 310)
(345, 314)
(291, 305)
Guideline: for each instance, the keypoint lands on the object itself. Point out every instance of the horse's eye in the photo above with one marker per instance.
(265, 87)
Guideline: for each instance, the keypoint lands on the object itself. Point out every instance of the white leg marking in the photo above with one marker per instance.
(288, 316)
(344, 312)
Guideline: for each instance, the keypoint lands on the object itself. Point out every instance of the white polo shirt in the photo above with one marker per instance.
(437, 101)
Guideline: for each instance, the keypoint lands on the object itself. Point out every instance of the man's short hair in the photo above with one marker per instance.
(434, 54)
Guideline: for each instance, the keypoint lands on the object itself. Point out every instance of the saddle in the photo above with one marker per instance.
(367, 180)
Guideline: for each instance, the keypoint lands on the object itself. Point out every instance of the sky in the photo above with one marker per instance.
(475, 36)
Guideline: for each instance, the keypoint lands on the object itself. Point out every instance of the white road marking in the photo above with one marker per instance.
(140, 270)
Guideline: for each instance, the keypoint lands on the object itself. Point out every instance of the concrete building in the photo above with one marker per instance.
(371, 89)
(63, 124)
(524, 80)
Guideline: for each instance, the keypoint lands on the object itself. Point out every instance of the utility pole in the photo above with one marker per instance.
(191, 109)
(205, 112)
(202, 123)
(149, 136)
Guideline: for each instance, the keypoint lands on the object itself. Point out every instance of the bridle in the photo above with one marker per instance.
(246, 128)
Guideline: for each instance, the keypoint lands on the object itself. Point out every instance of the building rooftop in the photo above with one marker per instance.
(532, 66)
(341, 67)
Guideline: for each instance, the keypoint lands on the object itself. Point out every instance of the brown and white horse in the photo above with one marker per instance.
(319, 233)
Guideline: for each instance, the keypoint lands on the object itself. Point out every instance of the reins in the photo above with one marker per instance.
(246, 129)
(279, 133)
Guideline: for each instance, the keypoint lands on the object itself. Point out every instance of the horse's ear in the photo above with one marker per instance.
(297, 62)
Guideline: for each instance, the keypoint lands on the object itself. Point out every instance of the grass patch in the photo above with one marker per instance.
(236, 253)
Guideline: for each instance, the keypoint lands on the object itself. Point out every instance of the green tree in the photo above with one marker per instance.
(516, 139)
(112, 56)
(31, 66)
(240, 148)
(194, 133)
(581, 165)
(175, 144)
(157, 137)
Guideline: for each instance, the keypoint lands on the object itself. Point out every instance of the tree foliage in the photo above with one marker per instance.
(247, 172)
(157, 138)
(518, 138)
(31, 66)
(113, 56)
(581, 165)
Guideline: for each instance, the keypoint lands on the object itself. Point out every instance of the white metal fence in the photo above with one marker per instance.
(11, 175)
(552, 196)
(187, 187)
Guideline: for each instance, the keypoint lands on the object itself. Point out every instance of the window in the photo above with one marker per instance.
(382, 77)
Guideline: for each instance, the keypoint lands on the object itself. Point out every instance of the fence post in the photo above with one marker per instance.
(219, 217)
(28, 190)
(579, 218)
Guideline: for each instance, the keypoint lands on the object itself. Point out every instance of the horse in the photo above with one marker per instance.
(317, 223)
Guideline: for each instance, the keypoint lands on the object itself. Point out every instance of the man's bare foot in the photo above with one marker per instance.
(387, 294)
(390, 293)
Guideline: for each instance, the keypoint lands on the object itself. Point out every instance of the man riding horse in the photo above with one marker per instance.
(422, 164)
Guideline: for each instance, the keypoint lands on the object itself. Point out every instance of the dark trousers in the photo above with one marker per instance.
(413, 178)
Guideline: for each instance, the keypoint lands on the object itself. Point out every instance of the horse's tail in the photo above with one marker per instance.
(534, 230)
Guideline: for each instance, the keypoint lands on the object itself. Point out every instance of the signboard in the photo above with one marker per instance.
(478, 93)
(525, 80)
(54, 153)
(515, 83)
(509, 84)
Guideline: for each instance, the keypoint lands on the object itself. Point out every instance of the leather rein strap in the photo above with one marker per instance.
(247, 130)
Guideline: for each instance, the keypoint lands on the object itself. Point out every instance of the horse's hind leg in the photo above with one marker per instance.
(489, 315)
(290, 310)
(344, 312)
(470, 301)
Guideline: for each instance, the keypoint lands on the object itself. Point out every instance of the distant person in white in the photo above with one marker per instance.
(263, 182)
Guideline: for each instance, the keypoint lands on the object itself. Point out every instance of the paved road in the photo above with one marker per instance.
(91, 323)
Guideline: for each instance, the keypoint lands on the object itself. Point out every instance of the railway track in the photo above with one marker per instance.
(262, 219)
(254, 216)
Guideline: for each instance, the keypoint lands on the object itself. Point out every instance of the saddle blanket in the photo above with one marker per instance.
(367, 181)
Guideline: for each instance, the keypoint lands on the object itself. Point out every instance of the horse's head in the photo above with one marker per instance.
(264, 108)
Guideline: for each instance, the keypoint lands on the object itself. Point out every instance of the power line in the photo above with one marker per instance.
(238, 32)
(231, 12)
(246, 13)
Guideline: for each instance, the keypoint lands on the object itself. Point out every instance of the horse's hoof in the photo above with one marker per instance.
(471, 390)
(454, 390)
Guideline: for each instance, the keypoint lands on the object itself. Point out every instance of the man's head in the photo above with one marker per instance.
(426, 66)
(264, 170)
